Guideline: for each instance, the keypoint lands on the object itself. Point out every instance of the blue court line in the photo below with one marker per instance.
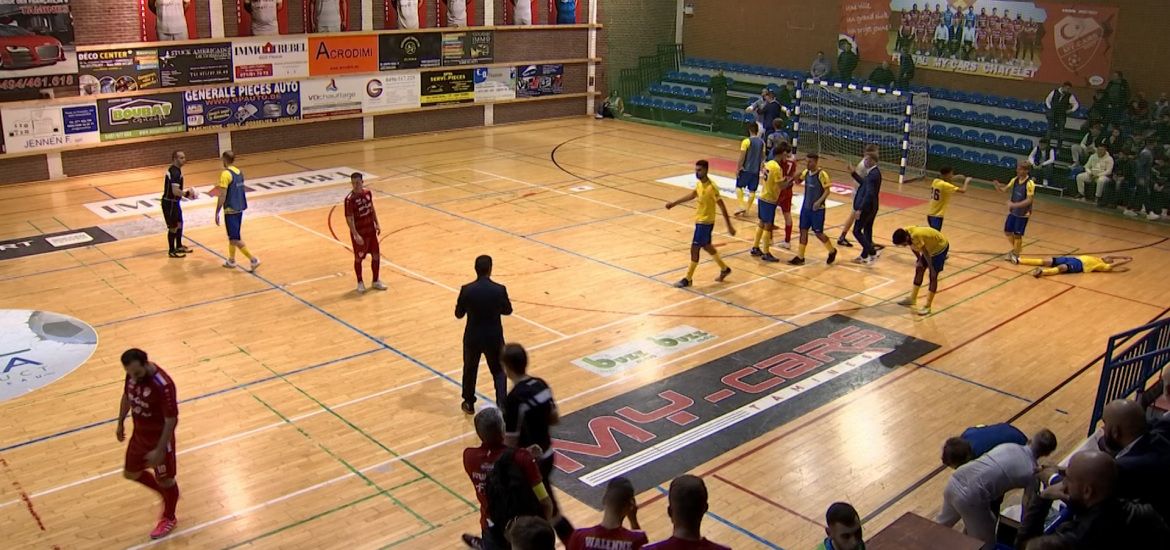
(181, 308)
(221, 391)
(733, 526)
(579, 224)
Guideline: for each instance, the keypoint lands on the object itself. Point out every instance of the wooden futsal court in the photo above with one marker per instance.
(312, 416)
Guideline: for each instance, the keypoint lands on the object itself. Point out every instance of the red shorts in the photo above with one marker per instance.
(784, 200)
(136, 455)
(370, 245)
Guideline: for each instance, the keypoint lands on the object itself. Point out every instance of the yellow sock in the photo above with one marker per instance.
(719, 261)
(1031, 261)
(767, 242)
(751, 200)
(231, 252)
(828, 245)
(1018, 245)
(691, 271)
(914, 295)
(929, 300)
(739, 196)
(1052, 271)
(244, 250)
(759, 234)
(801, 250)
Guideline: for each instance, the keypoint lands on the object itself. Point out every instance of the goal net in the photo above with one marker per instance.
(841, 119)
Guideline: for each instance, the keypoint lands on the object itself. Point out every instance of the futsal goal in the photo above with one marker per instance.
(837, 119)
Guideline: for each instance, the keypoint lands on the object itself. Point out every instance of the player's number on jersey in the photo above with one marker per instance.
(935, 194)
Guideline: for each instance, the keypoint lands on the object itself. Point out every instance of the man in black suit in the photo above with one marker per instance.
(483, 302)
(1059, 103)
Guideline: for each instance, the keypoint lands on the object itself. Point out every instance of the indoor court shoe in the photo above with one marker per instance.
(255, 264)
(473, 541)
(185, 249)
(832, 257)
(844, 242)
(378, 285)
(922, 310)
(468, 408)
(1037, 273)
(1015, 260)
(906, 302)
(861, 261)
(723, 273)
(682, 283)
(164, 528)
(176, 254)
(796, 261)
(361, 288)
(785, 245)
(229, 263)
(757, 252)
(769, 258)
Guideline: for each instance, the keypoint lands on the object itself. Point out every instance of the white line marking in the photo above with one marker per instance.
(313, 280)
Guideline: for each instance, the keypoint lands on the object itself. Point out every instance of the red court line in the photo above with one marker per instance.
(768, 500)
(23, 495)
(329, 222)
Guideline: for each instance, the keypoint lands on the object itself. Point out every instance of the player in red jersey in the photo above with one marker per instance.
(149, 393)
(686, 508)
(363, 231)
(610, 534)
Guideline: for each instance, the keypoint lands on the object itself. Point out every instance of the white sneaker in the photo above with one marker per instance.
(1130, 213)
(229, 263)
(361, 288)
(922, 310)
(785, 245)
(1152, 216)
(378, 285)
(255, 263)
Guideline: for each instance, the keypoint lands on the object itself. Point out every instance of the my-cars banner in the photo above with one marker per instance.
(194, 64)
(538, 80)
(331, 96)
(113, 71)
(259, 58)
(398, 90)
(330, 55)
(467, 48)
(409, 51)
(246, 105)
(1044, 41)
(495, 83)
(445, 87)
(49, 127)
(262, 17)
(162, 20)
(146, 115)
(37, 37)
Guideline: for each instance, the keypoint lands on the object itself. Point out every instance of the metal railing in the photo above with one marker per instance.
(1127, 372)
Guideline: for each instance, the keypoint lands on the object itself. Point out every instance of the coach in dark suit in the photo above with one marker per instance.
(483, 302)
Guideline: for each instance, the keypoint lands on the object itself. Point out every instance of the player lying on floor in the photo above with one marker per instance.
(1075, 264)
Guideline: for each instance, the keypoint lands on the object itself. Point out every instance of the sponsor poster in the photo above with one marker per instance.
(39, 52)
(398, 90)
(495, 83)
(538, 80)
(242, 105)
(330, 55)
(413, 19)
(116, 71)
(624, 357)
(409, 51)
(49, 127)
(146, 115)
(467, 48)
(325, 15)
(262, 17)
(1042, 41)
(194, 64)
(269, 58)
(165, 20)
(322, 97)
(446, 87)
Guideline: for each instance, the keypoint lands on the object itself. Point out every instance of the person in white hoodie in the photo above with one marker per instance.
(1098, 169)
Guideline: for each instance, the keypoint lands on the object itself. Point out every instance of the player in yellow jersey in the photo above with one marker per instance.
(940, 195)
(708, 197)
(931, 248)
(1075, 264)
(774, 185)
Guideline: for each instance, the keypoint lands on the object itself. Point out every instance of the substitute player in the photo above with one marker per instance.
(172, 208)
(708, 197)
(1022, 193)
(766, 210)
(619, 504)
(1075, 264)
(751, 157)
(812, 211)
(149, 394)
(363, 231)
(930, 248)
(231, 198)
(941, 190)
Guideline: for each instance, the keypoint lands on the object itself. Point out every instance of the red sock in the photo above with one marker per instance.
(787, 233)
(357, 269)
(170, 500)
(376, 264)
(148, 480)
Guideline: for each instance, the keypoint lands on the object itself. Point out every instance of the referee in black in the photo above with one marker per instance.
(483, 302)
(172, 207)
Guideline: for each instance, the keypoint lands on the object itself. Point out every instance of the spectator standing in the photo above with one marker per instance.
(1161, 107)
(843, 528)
(882, 76)
(905, 71)
(483, 302)
(718, 88)
(787, 94)
(1124, 181)
(820, 67)
(687, 506)
(846, 61)
(610, 533)
(1043, 158)
(1059, 103)
(1116, 98)
(1097, 171)
(1096, 113)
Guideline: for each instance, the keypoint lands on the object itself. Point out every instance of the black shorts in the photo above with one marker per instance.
(172, 213)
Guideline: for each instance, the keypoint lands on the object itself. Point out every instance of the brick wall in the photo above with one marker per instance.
(542, 44)
(428, 121)
(520, 112)
(136, 155)
(104, 21)
(634, 28)
(22, 169)
(288, 137)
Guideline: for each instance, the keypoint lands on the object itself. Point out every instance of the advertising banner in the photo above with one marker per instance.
(332, 96)
(495, 83)
(399, 90)
(37, 41)
(1042, 41)
(325, 15)
(409, 51)
(163, 20)
(330, 55)
(467, 48)
(276, 57)
(244, 105)
(538, 80)
(49, 127)
(180, 66)
(446, 87)
(115, 71)
(262, 17)
(147, 115)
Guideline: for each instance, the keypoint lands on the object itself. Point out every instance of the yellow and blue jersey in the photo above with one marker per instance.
(753, 149)
(1021, 190)
(775, 177)
(816, 185)
(231, 184)
(940, 196)
(707, 194)
(927, 240)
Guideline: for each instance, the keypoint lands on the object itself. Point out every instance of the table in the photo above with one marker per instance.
(914, 532)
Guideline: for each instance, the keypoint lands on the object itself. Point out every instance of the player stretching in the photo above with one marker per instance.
(363, 231)
(172, 206)
(751, 155)
(766, 210)
(1075, 264)
(232, 200)
(708, 196)
(812, 211)
(1022, 191)
(930, 248)
(149, 393)
(940, 196)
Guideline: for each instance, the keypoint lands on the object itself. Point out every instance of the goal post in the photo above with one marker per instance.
(838, 119)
